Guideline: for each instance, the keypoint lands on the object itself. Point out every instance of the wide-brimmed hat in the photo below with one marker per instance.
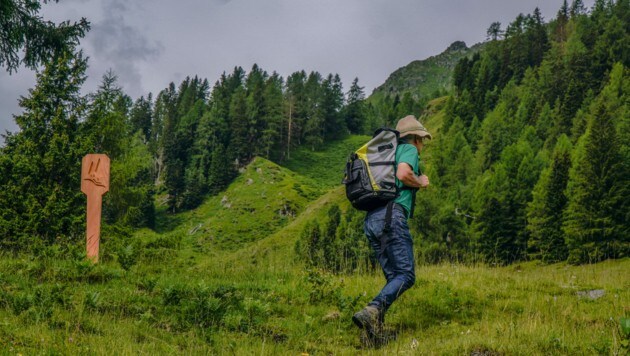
(409, 125)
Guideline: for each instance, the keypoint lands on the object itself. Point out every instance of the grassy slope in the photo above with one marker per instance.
(202, 292)
(326, 165)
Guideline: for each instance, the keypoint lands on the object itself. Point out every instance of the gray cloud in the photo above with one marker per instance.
(11, 88)
(121, 47)
(151, 43)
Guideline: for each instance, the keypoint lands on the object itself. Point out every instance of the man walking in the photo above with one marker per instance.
(393, 245)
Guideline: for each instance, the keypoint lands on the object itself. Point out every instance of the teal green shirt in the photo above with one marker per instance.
(409, 154)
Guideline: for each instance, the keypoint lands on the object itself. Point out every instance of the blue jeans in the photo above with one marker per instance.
(397, 259)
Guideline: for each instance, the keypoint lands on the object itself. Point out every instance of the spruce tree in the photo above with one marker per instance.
(544, 213)
(295, 105)
(25, 34)
(40, 166)
(255, 86)
(240, 128)
(594, 221)
(354, 112)
(141, 118)
(313, 133)
(174, 160)
(494, 31)
(332, 100)
(272, 135)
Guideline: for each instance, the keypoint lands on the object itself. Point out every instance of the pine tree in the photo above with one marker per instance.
(221, 170)
(562, 19)
(544, 213)
(355, 112)
(296, 109)
(536, 38)
(273, 133)
(255, 86)
(106, 127)
(493, 237)
(594, 221)
(313, 133)
(174, 160)
(23, 33)
(577, 8)
(40, 166)
(141, 118)
(332, 100)
(501, 206)
(494, 31)
(239, 142)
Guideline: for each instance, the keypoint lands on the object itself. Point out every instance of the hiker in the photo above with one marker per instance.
(395, 253)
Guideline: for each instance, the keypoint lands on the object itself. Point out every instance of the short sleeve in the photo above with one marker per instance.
(408, 154)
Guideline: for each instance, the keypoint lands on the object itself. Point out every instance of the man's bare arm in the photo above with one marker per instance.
(405, 174)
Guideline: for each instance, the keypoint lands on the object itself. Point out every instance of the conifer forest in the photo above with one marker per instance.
(529, 166)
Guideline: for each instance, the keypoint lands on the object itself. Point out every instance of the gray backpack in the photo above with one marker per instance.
(370, 176)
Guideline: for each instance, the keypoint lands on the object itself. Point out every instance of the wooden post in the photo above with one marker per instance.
(94, 183)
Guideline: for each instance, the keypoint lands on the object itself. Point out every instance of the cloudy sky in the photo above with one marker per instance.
(149, 44)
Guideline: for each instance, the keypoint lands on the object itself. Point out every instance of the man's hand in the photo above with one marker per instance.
(405, 174)
(424, 181)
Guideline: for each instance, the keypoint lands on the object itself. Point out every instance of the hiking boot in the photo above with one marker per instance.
(369, 318)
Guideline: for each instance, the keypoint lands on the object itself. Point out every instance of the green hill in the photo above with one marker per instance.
(261, 200)
(224, 279)
(276, 263)
(423, 78)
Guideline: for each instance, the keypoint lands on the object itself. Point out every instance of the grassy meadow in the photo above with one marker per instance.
(224, 279)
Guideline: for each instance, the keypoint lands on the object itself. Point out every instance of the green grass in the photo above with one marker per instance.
(216, 305)
(225, 280)
(325, 165)
(261, 200)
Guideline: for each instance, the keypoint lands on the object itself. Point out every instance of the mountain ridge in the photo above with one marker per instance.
(423, 77)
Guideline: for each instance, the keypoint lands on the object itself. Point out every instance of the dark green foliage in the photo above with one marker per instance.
(502, 196)
(205, 138)
(272, 133)
(331, 105)
(494, 31)
(595, 224)
(23, 33)
(140, 118)
(541, 86)
(40, 166)
(354, 112)
(513, 100)
(544, 213)
(108, 130)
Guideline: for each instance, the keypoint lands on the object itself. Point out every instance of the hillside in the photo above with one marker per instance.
(326, 165)
(224, 279)
(520, 242)
(261, 200)
(423, 78)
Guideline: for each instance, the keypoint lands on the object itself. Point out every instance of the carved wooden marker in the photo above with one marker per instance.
(94, 183)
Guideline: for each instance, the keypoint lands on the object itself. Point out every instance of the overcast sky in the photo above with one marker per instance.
(149, 44)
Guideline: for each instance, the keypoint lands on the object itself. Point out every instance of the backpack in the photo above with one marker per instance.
(370, 176)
